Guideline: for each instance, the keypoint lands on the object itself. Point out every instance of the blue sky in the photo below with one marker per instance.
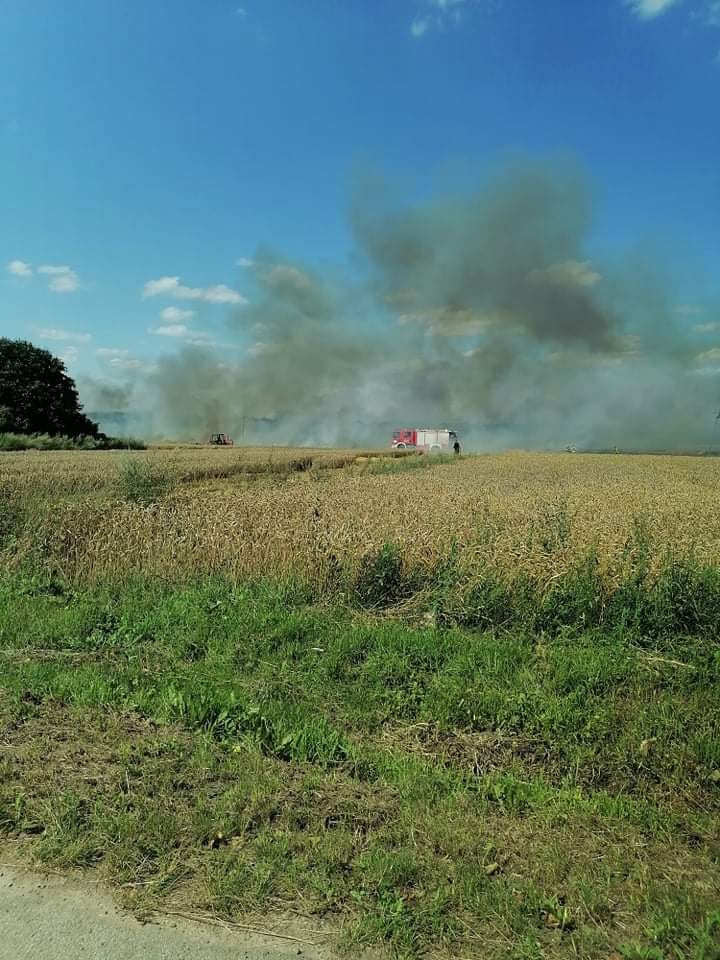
(149, 147)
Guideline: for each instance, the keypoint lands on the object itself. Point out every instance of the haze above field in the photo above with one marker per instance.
(311, 222)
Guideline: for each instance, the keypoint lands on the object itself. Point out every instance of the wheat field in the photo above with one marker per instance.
(263, 512)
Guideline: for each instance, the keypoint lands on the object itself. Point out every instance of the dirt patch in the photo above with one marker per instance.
(45, 917)
(477, 753)
(47, 745)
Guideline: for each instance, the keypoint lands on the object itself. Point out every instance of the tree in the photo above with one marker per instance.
(37, 395)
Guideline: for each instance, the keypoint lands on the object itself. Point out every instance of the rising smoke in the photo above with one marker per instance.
(484, 312)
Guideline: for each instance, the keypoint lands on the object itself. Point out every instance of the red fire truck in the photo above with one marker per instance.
(427, 440)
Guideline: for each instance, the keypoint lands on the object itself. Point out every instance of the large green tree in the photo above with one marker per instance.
(37, 395)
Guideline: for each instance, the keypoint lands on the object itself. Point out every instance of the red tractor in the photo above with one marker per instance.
(221, 440)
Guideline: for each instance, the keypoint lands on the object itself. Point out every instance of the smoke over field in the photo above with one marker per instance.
(485, 311)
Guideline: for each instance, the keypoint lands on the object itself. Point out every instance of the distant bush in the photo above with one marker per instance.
(42, 441)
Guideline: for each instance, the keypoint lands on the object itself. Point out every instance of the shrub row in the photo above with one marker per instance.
(43, 441)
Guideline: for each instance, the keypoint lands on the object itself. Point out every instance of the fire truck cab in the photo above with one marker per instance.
(426, 440)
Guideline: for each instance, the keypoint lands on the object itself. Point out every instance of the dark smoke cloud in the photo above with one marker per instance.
(104, 395)
(508, 258)
(484, 311)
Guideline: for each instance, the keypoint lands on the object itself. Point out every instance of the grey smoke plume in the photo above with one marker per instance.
(104, 395)
(485, 312)
(506, 260)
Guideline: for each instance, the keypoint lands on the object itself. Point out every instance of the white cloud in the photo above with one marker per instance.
(54, 271)
(647, 9)
(419, 26)
(54, 333)
(712, 355)
(64, 279)
(569, 273)
(19, 268)
(132, 363)
(706, 327)
(197, 338)
(245, 262)
(439, 13)
(687, 310)
(119, 359)
(171, 287)
(171, 330)
(223, 294)
(165, 285)
(67, 283)
(111, 353)
(176, 315)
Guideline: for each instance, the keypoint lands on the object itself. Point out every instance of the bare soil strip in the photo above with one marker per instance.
(51, 918)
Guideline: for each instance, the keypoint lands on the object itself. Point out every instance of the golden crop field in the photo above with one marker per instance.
(77, 471)
(244, 511)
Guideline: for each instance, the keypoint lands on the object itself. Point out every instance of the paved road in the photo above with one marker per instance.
(55, 919)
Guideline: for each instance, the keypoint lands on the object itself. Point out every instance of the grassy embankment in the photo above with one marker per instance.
(435, 754)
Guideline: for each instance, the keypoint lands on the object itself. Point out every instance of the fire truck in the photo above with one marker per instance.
(427, 440)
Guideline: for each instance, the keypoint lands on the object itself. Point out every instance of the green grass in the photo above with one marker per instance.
(496, 793)
(655, 602)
